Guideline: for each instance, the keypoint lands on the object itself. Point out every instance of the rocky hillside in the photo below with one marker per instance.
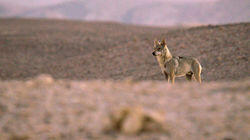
(104, 50)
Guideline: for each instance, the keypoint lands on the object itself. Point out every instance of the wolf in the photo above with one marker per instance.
(176, 66)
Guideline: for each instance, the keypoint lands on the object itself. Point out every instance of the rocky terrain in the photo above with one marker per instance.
(98, 50)
(45, 108)
(64, 79)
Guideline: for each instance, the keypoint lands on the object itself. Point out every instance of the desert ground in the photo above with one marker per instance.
(97, 50)
(63, 79)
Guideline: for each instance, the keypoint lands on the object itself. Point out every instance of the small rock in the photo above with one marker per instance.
(134, 120)
(43, 79)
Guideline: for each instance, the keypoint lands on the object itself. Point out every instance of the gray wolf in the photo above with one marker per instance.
(176, 66)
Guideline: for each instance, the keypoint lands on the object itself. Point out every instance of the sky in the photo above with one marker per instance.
(36, 3)
(31, 3)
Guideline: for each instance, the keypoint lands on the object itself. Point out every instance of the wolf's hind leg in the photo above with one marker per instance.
(197, 71)
(197, 77)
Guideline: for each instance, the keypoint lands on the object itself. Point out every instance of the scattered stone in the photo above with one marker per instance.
(43, 79)
(134, 120)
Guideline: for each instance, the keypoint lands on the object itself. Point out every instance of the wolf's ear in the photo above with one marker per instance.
(163, 42)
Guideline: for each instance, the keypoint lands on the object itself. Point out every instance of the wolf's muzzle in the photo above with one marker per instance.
(153, 53)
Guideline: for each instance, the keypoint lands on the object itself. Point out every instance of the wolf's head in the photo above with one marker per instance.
(160, 47)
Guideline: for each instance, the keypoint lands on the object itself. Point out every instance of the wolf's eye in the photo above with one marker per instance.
(158, 49)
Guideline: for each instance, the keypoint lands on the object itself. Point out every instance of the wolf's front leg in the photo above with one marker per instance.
(172, 77)
(167, 77)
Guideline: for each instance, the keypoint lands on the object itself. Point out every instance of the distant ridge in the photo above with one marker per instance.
(148, 12)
